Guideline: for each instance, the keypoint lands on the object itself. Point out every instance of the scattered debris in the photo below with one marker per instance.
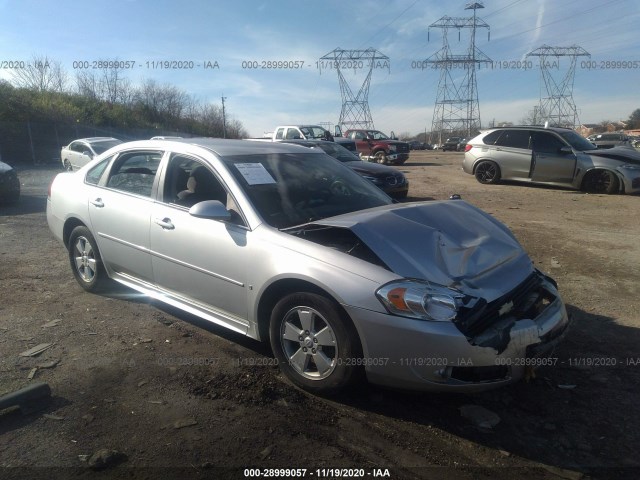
(83, 458)
(184, 422)
(30, 399)
(157, 402)
(105, 458)
(49, 364)
(567, 387)
(146, 340)
(142, 383)
(52, 417)
(32, 373)
(479, 416)
(52, 323)
(37, 350)
(88, 418)
(555, 263)
(264, 454)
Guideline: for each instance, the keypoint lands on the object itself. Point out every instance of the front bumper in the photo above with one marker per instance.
(435, 356)
(630, 180)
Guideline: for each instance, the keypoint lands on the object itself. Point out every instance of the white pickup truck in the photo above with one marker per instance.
(310, 132)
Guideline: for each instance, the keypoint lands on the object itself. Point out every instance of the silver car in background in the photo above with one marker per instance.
(286, 245)
(552, 156)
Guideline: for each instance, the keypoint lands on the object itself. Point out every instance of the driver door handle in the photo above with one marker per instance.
(97, 203)
(165, 223)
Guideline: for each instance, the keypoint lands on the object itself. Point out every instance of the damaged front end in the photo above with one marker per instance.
(469, 310)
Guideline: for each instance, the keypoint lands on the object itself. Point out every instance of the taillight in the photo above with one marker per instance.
(467, 147)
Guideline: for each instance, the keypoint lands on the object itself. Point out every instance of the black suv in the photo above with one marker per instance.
(451, 144)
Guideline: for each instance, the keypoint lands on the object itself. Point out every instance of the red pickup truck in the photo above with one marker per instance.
(375, 146)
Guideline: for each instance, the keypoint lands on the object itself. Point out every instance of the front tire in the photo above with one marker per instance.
(487, 172)
(381, 157)
(85, 260)
(601, 181)
(316, 345)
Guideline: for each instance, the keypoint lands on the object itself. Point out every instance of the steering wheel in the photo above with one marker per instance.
(338, 187)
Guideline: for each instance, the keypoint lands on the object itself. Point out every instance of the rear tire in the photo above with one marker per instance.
(601, 181)
(86, 262)
(67, 165)
(316, 345)
(487, 172)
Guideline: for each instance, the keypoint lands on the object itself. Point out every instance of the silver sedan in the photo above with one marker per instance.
(288, 245)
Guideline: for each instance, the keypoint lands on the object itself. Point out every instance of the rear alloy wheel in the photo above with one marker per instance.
(67, 166)
(381, 157)
(487, 172)
(85, 260)
(316, 346)
(601, 181)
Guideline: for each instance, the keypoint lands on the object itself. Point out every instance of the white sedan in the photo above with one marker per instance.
(80, 152)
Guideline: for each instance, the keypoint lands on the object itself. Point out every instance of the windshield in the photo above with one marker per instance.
(577, 142)
(314, 132)
(338, 152)
(100, 147)
(377, 135)
(289, 189)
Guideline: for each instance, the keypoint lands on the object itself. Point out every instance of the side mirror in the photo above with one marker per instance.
(87, 153)
(337, 131)
(393, 135)
(566, 150)
(211, 209)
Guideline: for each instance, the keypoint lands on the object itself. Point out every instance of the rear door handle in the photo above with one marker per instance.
(97, 203)
(165, 223)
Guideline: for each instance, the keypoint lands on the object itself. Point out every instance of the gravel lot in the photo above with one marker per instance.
(165, 394)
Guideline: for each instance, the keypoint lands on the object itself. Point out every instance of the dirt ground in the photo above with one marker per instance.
(164, 395)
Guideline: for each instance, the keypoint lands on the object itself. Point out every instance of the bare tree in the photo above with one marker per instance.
(41, 74)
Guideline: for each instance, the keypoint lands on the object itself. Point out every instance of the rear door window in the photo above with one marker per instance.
(514, 139)
(135, 172)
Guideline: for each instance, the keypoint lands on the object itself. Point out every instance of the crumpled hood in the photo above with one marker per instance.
(450, 243)
(624, 154)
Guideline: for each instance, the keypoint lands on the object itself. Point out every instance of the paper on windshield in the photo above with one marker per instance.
(255, 173)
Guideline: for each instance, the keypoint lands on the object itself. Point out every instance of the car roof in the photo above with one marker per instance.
(95, 139)
(530, 127)
(222, 147)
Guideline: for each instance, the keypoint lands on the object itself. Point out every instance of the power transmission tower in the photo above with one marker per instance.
(355, 111)
(457, 109)
(558, 107)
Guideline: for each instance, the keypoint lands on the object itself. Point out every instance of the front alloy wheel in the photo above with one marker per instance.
(601, 181)
(315, 345)
(381, 157)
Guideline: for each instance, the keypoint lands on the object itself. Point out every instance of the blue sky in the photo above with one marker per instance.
(402, 100)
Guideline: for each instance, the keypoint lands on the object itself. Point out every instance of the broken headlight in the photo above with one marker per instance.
(421, 300)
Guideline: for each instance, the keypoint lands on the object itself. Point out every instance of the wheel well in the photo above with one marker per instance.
(69, 225)
(277, 291)
(479, 161)
(586, 175)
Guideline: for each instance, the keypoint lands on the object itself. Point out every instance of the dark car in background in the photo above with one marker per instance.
(390, 180)
(610, 140)
(451, 144)
(9, 184)
(416, 145)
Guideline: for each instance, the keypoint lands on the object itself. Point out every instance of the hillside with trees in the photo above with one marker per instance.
(43, 108)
